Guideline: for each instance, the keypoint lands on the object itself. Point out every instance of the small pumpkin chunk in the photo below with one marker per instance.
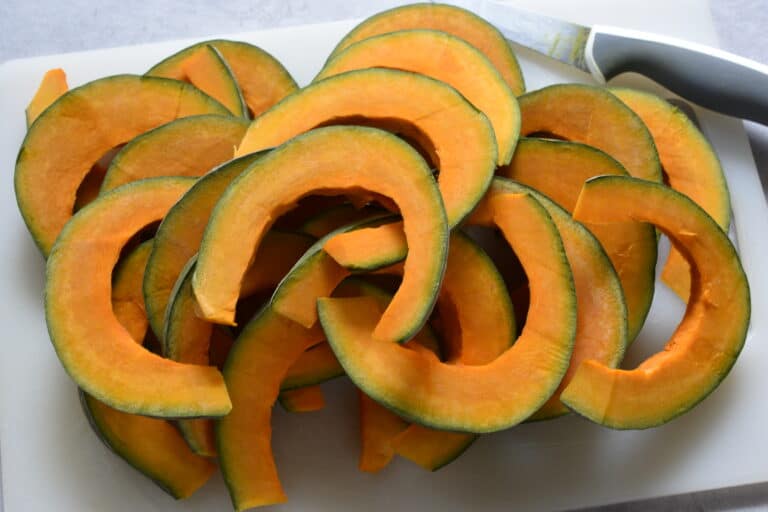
(52, 86)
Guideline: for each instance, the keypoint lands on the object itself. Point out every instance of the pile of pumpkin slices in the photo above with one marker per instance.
(348, 235)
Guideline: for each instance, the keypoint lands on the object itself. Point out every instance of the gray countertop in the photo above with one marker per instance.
(80, 25)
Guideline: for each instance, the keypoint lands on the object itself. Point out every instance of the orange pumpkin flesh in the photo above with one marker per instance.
(558, 169)
(191, 146)
(306, 399)
(594, 116)
(52, 86)
(461, 136)
(316, 365)
(93, 347)
(207, 70)
(378, 427)
(126, 303)
(332, 160)
(691, 166)
(483, 398)
(446, 18)
(448, 59)
(704, 346)
(99, 116)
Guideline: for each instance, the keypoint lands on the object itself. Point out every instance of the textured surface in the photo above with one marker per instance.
(80, 25)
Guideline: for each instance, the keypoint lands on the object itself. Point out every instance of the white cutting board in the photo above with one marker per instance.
(52, 461)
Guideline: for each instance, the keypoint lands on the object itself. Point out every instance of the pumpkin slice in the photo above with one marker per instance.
(187, 338)
(446, 58)
(335, 217)
(179, 235)
(558, 169)
(98, 352)
(82, 125)
(458, 136)
(306, 399)
(52, 86)
(127, 278)
(207, 70)
(316, 365)
(594, 116)
(691, 166)
(330, 160)
(152, 446)
(601, 313)
(378, 427)
(191, 146)
(705, 345)
(446, 18)
(482, 398)
(261, 78)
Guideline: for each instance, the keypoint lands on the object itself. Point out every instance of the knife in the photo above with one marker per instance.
(710, 77)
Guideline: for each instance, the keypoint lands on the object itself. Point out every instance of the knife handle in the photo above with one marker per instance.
(710, 77)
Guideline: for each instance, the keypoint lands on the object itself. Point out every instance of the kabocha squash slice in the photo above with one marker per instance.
(446, 18)
(187, 338)
(466, 398)
(329, 160)
(433, 113)
(378, 428)
(261, 78)
(98, 352)
(336, 217)
(52, 86)
(558, 169)
(82, 125)
(594, 116)
(446, 58)
(705, 345)
(601, 313)
(152, 446)
(316, 365)
(690, 165)
(191, 146)
(178, 238)
(306, 399)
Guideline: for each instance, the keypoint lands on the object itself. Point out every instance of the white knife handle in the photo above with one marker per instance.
(712, 78)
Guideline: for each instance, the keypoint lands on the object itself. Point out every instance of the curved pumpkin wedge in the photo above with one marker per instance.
(594, 116)
(306, 399)
(96, 351)
(705, 345)
(446, 58)
(336, 217)
(126, 303)
(52, 86)
(691, 167)
(83, 125)
(316, 365)
(446, 18)
(261, 78)
(152, 446)
(432, 112)
(601, 313)
(558, 169)
(187, 338)
(466, 398)
(329, 160)
(191, 146)
(178, 238)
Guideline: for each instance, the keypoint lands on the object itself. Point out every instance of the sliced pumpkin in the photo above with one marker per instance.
(99, 353)
(178, 238)
(316, 365)
(207, 70)
(482, 398)
(260, 77)
(705, 345)
(601, 313)
(187, 338)
(446, 58)
(52, 86)
(378, 427)
(335, 217)
(458, 136)
(82, 125)
(594, 116)
(153, 446)
(690, 165)
(306, 399)
(329, 160)
(558, 169)
(446, 18)
(191, 146)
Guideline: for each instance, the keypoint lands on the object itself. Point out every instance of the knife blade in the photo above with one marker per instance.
(710, 77)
